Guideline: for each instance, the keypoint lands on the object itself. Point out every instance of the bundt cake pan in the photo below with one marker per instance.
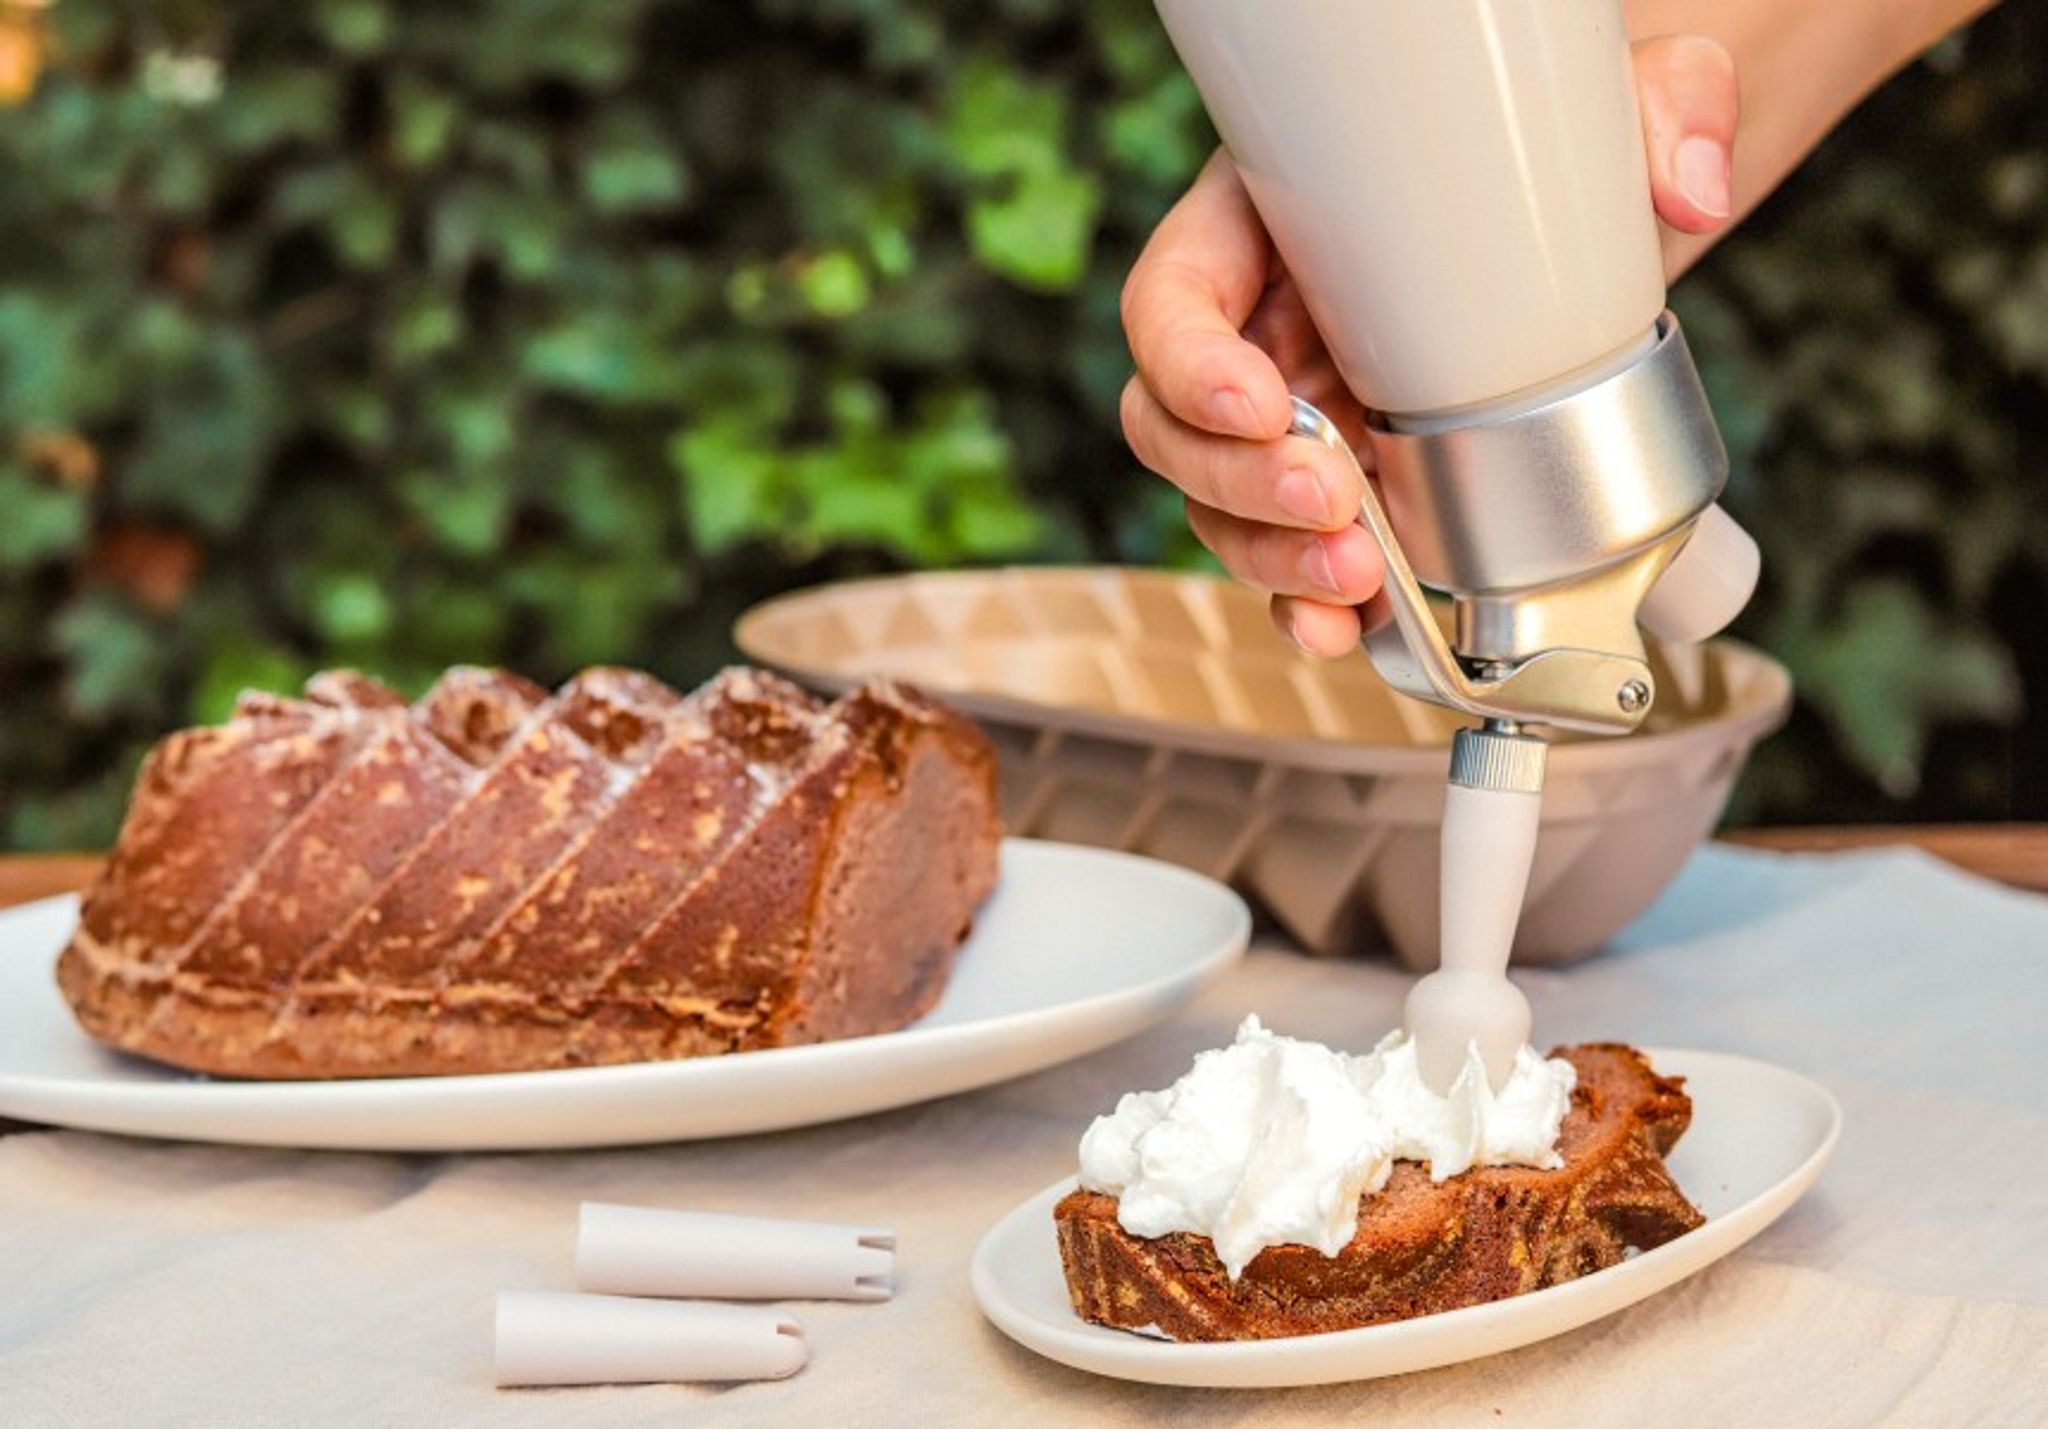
(1163, 714)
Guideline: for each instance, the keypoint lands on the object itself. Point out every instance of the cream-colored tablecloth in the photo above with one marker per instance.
(178, 1284)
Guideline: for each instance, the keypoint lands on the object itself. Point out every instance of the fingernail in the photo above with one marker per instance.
(1232, 412)
(1301, 495)
(1316, 568)
(1701, 168)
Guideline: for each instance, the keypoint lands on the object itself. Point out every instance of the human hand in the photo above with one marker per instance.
(1221, 338)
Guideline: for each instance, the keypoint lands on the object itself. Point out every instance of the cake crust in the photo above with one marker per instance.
(1421, 1246)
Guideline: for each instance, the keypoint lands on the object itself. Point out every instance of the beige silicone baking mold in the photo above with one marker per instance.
(1163, 714)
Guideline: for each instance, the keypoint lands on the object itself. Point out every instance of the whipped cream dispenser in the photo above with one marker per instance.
(1460, 190)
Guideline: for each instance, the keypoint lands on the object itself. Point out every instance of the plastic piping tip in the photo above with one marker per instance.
(1492, 811)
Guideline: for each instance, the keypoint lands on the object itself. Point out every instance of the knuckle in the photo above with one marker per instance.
(1130, 410)
(1189, 466)
(1130, 295)
(1703, 52)
(1202, 522)
(1690, 65)
(1268, 553)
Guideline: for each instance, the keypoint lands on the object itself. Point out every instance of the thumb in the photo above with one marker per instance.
(1690, 103)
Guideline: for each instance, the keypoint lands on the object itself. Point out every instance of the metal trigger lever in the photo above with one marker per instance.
(1568, 688)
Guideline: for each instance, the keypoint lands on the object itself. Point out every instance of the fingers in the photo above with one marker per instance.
(1333, 567)
(1209, 410)
(1191, 291)
(1290, 482)
(1690, 102)
(1328, 631)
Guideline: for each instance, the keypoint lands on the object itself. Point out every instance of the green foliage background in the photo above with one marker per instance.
(542, 332)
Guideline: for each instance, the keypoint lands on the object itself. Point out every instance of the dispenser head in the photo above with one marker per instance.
(1560, 527)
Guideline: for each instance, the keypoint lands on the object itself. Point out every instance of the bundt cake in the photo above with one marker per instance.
(495, 878)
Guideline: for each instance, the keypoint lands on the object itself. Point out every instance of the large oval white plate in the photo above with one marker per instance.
(1077, 948)
(1759, 1137)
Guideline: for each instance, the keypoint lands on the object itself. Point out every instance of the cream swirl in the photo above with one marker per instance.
(1272, 1140)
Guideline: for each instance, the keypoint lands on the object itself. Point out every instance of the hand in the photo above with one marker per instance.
(1221, 338)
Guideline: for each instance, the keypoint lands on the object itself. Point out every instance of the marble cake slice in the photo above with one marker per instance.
(1421, 1246)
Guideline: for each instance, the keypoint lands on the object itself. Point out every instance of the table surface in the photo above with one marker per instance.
(2008, 852)
(1908, 1288)
(2016, 854)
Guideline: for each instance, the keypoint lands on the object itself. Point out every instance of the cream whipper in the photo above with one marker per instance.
(1460, 193)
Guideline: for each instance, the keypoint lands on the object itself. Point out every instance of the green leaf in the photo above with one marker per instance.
(843, 506)
(273, 104)
(356, 213)
(538, 331)
(466, 513)
(990, 527)
(629, 169)
(350, 608)
(834, 285)
(1040, 233)
(38, 521)
(999, 123)
(426, 324)
(114, 658)
(422, 122)
(604, 355)
(596, 609)
(44, 347)
(456, 621)
(206, 425)
(1162, 134)
(478, 426)
(479, 218)
(729, 484)
(355, 27)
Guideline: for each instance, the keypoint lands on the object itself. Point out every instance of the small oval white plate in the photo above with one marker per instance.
(1076, 949)
(1759, 1137)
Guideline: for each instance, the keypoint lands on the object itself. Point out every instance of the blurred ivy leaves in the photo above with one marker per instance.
(933, 492)
(542, 333)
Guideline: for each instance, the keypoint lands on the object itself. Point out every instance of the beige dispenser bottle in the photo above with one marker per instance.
(1459, 189)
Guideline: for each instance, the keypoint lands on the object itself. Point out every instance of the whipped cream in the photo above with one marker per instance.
(1272, 1140)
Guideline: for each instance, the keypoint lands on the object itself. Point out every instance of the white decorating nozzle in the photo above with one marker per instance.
(1491, 813)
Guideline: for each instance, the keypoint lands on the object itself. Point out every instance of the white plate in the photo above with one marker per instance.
(1078, 948)
(1759, 1137)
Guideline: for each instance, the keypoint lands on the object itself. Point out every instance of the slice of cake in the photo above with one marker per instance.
(1421, 1246)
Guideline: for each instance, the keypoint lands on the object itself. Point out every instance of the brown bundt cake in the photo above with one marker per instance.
(495, 879)
(1421, 1246)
